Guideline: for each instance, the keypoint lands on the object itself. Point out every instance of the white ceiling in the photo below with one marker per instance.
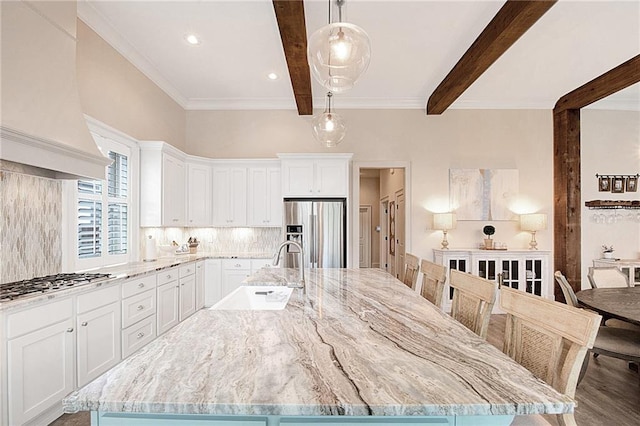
(414, 45)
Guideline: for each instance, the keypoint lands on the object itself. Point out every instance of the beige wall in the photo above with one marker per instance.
(114, 92)
(370, 195)
(610, 144)
(520, 139)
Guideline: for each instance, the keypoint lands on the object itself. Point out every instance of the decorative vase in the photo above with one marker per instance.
(488, 243)
(607, 255)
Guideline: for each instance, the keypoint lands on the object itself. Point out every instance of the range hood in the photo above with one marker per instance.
(42, 123)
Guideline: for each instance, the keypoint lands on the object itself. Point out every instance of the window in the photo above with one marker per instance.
(103, 209)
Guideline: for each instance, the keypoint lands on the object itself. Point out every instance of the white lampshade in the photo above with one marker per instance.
(533, 222)
(444, 221)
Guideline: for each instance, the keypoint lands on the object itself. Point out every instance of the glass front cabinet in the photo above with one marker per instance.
(525, 270)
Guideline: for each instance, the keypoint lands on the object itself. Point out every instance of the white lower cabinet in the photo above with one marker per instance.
(138, 335)
(234, 271)
(168, 298)
(139, 301)
(212, 281)
(41, 363)
(187, 295)
(98, 346)
(200, 284)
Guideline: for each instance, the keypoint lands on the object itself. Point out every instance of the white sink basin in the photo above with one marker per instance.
(255, 298)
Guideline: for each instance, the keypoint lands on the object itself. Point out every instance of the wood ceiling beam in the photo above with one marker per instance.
(567, 209)
(511, 21)
(622, 76)
(293, 33)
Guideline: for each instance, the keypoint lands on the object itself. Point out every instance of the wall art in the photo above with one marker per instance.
(483, 194)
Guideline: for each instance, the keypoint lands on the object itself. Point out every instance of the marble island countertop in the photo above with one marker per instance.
(358, 343)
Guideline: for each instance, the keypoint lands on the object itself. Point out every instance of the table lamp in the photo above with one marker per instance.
(533, 222)
(444, 222)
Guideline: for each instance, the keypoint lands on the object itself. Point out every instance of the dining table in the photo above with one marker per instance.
(622, 303)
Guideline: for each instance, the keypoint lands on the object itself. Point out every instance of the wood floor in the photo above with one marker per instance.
(608, 395)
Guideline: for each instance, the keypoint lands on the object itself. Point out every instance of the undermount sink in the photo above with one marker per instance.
(255, 298)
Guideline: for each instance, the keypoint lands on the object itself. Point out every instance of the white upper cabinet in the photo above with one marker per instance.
(198, 194)
(229, 196)
(315, 175)
(162, 185)
(265, 197)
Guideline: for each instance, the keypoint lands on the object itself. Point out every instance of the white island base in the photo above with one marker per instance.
(141, 419)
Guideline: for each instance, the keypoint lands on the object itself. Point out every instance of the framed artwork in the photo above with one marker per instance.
(632, 184)
(604, 184)
(617, 184)
(392, 228)
(483, 194)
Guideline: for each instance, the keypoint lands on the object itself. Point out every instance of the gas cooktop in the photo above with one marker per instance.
(50, 283)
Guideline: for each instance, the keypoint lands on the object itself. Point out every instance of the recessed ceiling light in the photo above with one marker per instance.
(192, 39)
(272, 76)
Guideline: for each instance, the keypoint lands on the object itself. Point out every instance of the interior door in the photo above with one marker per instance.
(365, 236)
(400, 233)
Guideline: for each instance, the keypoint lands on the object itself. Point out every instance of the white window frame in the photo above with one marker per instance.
(107, 139)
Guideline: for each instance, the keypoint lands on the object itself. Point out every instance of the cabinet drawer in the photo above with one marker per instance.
(97, 298)
(138, 285)
(187, 270)
(38, 317)
(261, 263)
(138, 307)
(138, 335)
(236, 264)
(166, 276)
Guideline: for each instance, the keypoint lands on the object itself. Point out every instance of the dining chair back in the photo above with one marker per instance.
(433, 279)
(567, 291)
(411, 269)
(548, 338)
(473, 300)
(607, 277)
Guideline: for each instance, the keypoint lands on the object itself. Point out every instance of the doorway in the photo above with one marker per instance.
(383, 186)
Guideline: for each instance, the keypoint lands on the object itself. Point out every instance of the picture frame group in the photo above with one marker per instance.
(617, 183)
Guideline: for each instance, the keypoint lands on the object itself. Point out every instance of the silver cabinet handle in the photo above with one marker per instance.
(140, 335)
(141, 285)
(238, 265)
(84, 324)
(140, 307)
(168, 276)
(70, 330)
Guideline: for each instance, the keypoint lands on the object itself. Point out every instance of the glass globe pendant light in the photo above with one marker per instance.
(338, 53)
(328, 127)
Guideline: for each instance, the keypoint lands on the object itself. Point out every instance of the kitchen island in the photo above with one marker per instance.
(358, 346)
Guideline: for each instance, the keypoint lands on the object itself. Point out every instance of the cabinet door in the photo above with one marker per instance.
(173, 191)
(331, 178)
(187, 297)
(229, 196)
(200, 270)
(232, 279)
(98, 342)
(298, 178)
(198, 195)
(167, 311)
(264, 203)
(40, 370)
(212, 282)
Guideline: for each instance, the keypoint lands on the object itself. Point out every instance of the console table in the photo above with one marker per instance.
(526, 270)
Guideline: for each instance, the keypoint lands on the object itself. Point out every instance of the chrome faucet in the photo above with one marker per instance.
(276, 260)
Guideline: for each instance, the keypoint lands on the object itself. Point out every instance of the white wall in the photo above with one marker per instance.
(521, 139)
(610, 144)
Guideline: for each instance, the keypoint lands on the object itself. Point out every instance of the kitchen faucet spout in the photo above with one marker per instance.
(276, 260)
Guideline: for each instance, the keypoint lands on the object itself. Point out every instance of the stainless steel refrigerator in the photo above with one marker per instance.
(320, 226)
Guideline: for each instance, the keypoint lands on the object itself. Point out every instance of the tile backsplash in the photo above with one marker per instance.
(30, 225)
(217, 240)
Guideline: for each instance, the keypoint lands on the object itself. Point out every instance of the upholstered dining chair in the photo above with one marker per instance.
(616, 342)
(411, 269)
(549, 339)
(433, 279)
(607, 277)
(473, 300)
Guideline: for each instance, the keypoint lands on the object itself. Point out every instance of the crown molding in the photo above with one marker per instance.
(240, 104)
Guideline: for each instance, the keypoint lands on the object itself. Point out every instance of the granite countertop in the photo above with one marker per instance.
(126, 271)
(358, 343)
